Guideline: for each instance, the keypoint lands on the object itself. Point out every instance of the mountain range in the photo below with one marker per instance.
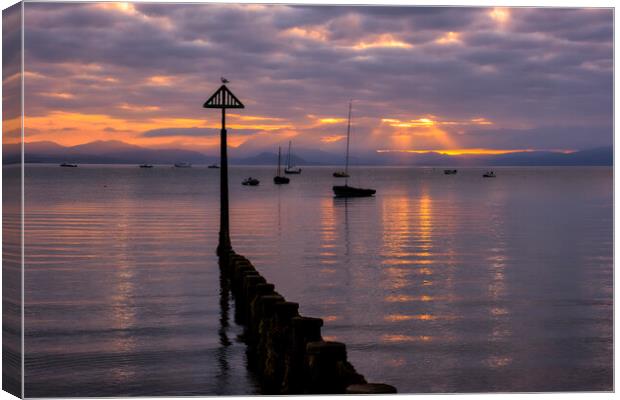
(117, 152)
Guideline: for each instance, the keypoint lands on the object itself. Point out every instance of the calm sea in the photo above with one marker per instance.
(437, 284)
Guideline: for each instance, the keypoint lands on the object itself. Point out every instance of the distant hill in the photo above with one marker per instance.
(109, 152)
(598, 156)
(117, 152)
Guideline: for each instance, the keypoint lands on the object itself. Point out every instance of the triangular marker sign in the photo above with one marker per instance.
(223, 98)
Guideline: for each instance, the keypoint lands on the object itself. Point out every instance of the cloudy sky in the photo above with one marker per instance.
(453, 79)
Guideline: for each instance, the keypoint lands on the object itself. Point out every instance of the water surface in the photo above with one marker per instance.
(437, 284)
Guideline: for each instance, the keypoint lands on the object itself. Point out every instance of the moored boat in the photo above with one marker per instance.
(69, 165)
(489, 174)
(183, 165)
(350, 191)
(146, 166)
(278, 179)
(291, 169)
(214, 166)
(450, 171)
(250, 181)
(346, 190)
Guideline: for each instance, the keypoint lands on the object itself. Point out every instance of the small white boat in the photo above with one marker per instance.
(489, 174)
(291, 169)
(183, 165)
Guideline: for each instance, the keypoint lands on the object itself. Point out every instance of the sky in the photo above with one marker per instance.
(455, 80)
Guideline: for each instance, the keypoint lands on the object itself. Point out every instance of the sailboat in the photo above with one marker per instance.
(345, 173)
(279, 180)
(346, 190)
(291, 169)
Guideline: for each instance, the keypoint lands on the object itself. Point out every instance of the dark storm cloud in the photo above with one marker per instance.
(547, 71)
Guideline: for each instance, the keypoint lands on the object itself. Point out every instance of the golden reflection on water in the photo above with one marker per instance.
(328, 224)
(395, 218)
(395, 338)
(122, 292)
(425, 230)
(404, 317)
(498, 315)
(404, 298)
(396, 362)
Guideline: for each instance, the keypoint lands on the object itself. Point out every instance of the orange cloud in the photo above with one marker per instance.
(160, 80)
(58, 95)
(500, 15)
(317, 33)
(332, 139)
(449, 38)
(252, 117)
(89, 127)
(332, 120)
(383, 40)
(136, 107)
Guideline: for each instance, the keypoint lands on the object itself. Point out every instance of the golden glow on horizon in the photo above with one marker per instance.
(86, 128)
(432, 121)
(473, 151)
(11, 128)
(407, 132)
(89, 127)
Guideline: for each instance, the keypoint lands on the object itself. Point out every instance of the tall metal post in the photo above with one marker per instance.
(224, 242)
(223, 98)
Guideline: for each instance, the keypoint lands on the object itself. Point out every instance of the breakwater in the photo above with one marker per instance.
(285, 349)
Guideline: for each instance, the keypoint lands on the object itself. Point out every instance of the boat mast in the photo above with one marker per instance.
(346, 165)
(279, 150)
(288, 161)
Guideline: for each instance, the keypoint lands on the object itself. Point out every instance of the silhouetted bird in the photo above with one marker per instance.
(224, 80)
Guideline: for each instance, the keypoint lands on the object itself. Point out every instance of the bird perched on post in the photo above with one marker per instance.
(224, 80)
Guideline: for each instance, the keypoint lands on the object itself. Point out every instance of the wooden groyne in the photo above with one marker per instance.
(286, 350)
